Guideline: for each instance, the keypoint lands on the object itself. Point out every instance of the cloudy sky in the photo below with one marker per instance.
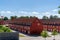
(36, 8)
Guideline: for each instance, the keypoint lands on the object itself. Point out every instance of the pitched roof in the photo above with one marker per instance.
(22, 20)
(50, 21)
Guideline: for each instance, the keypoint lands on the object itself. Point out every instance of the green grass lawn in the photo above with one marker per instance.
(21, 36)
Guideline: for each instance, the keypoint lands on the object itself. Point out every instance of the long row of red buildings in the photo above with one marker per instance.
(50, 24)
(32, 25)
(26, 25)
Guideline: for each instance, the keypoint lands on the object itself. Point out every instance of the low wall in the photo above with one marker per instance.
(9, 36)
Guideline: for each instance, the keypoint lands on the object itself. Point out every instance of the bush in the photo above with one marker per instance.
(4, 29)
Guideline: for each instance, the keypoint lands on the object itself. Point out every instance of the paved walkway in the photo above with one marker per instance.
(57, 37)
(38, 38)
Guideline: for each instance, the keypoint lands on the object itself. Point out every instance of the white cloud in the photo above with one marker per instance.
(2, 12)
(5, 12)
(8, 12)
(55, 10)
(25, 12)
(47, 13)
(28, 13)
(22, 12)
(35, 13)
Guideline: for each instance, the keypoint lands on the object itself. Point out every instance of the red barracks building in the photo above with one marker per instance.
(50, 24)
(1, 22)
(26, 25)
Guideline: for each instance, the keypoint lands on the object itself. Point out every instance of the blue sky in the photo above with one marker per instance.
(36, 8)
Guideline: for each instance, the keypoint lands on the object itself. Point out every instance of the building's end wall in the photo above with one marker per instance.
(36, 27)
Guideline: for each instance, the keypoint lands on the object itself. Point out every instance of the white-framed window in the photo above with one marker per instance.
(29, 28)
(28, 32)
(38, 24)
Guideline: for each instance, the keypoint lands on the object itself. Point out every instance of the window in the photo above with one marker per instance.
(28, 24)
(29, 28)
(22, 24)
(38, 24)
(28, 32)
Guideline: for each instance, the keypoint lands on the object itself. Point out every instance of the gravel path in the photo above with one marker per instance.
(57, 37)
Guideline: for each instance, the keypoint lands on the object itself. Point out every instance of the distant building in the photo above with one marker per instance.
(32, 25)
(50, 24)
(26, 25)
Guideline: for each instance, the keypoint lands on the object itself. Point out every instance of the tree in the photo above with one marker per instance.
(58, 6)
(31, 17)
(44, 34)
(24, 17)
(44, 17)
(0, 18)
(54, 33)
(51, 17)
(59, 9)
(55, 17)
(5, 18)
(13, 17)
(4, 29)
(1, 30)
